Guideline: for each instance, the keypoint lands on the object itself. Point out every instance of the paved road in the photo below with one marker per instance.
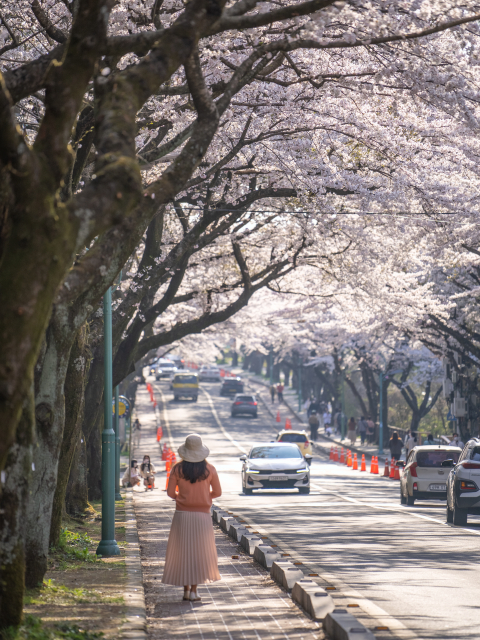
(403, 565)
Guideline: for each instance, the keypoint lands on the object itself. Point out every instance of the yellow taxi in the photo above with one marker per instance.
(299, 437)
(185, 385)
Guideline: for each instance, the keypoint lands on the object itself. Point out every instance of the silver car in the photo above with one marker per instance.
(463, 483)
(276, 465)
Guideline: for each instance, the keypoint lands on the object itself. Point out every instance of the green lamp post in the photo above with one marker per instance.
(108, 545)
(117, 447)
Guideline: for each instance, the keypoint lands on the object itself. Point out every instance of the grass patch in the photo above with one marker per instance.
(74, 546)
(50, 593)
(32, 628)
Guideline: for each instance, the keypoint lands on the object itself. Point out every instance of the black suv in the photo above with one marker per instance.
(231, 386)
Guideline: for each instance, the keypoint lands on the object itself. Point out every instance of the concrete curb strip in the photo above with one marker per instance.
(315, 600)
(135, 625)
(341, 625)
(265, 555)
(286, 573)
(225, 522)
(236, 531)
(249, 542)
(217, 514)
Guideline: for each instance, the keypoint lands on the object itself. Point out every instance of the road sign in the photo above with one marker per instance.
(123, 407)
(450, 417)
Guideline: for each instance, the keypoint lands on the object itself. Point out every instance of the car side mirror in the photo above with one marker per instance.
(308, 458)
(400, 464)
(447, 463)
(243, 458)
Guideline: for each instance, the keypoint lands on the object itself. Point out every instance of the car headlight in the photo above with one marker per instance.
(252, 471)
(302, 470)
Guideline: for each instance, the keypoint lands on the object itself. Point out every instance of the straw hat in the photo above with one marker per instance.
(193, 450)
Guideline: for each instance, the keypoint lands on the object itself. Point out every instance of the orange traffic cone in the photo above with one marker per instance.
(355, 463)
(392, 468)
(335, 455)
(288, 423)
(342, 457)
(397, 473)
(372, 465)
(331, 452)
(363, 466)
(386, 472)
(164, 451)
(375, 467)
(349, 458)
(278, 416)
(159, 434)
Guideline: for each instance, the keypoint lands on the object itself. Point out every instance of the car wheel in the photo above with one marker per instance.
(449, 515)
(247, 492)
(255, 415)
(232, 414)
(195, 398)
(410, 500)
(304, 490)
(175, 398)
(403, 499)
(459, 516)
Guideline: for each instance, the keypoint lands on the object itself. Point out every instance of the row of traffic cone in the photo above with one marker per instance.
(170, 461)
(288, 422)
(393, 472)
(353, 462)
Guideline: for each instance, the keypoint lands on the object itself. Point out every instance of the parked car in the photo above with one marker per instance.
(463, 483)
(424, 477)
(165, 369)
(299, 437)
(244, 404)
(231, 386)
(185, 385)
(177, 360)
(277, 465)
(209, 374)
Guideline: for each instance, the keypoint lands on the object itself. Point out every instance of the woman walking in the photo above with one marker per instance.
(352, 433)
(191, 557)
(395, 445)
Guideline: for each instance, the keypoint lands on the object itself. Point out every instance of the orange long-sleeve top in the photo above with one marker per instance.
(197, 496)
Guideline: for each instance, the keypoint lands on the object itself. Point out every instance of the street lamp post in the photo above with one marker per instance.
(380, 422)
(108, 545)
(117, 447)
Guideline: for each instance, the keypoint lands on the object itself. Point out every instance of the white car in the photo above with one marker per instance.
(209, 374)
(276, 465)
(424, 477)
(165, 369)
(463, 483)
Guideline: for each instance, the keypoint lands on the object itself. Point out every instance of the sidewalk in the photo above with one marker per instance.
(245, 604)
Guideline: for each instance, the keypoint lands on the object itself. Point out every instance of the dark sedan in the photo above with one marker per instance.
(231, 386)
(244, 405)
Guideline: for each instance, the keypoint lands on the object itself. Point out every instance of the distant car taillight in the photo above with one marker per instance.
(238, 403)
(305, 444)
(466, 485)
(413, 470)
(415, 486)
(471, 465)
(253, 404)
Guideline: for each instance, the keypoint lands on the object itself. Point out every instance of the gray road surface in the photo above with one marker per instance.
(403, 565)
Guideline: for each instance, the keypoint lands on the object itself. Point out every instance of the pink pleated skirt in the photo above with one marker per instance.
(191, 556)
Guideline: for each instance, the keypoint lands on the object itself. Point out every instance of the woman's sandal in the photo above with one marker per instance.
(194, 597)
(186, 595)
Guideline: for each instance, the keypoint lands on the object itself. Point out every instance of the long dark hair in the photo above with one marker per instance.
(192, 471)
(394, 437)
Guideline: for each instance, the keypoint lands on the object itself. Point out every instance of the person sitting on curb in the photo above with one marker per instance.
(131, 477)
(147, 471)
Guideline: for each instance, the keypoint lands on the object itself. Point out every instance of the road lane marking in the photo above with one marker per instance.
(217, 420)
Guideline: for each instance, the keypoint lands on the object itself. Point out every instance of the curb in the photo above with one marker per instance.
(315, 600)
(341, 625)
(135, 625)
(286, 574)
(265, 555)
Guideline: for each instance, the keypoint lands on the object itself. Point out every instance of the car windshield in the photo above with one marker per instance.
(435, 458)
(245, 399)
(275, 452)
(232, 383)
(166, 365)
(293, 437)
(185, 379)
(475, 454)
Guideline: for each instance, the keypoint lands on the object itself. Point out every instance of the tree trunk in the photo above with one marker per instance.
(94, 460)
(74, 399)
(76, 499)
(13, 503)
(50, 420)
(386, 435)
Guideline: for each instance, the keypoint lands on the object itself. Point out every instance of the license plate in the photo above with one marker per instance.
(438, 487)
(278, 478)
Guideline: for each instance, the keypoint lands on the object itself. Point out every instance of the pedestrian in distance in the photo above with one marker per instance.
(131, 477)
(327, 420)
(147, 471)
(137, 432)
(456, 442)
(351, 433)
(272, 392)
(280, 388)
(314, 423)
(429, 439)
(191, 557)
(411, 442)
(395, 445)
(362, 429)
(370, 430)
